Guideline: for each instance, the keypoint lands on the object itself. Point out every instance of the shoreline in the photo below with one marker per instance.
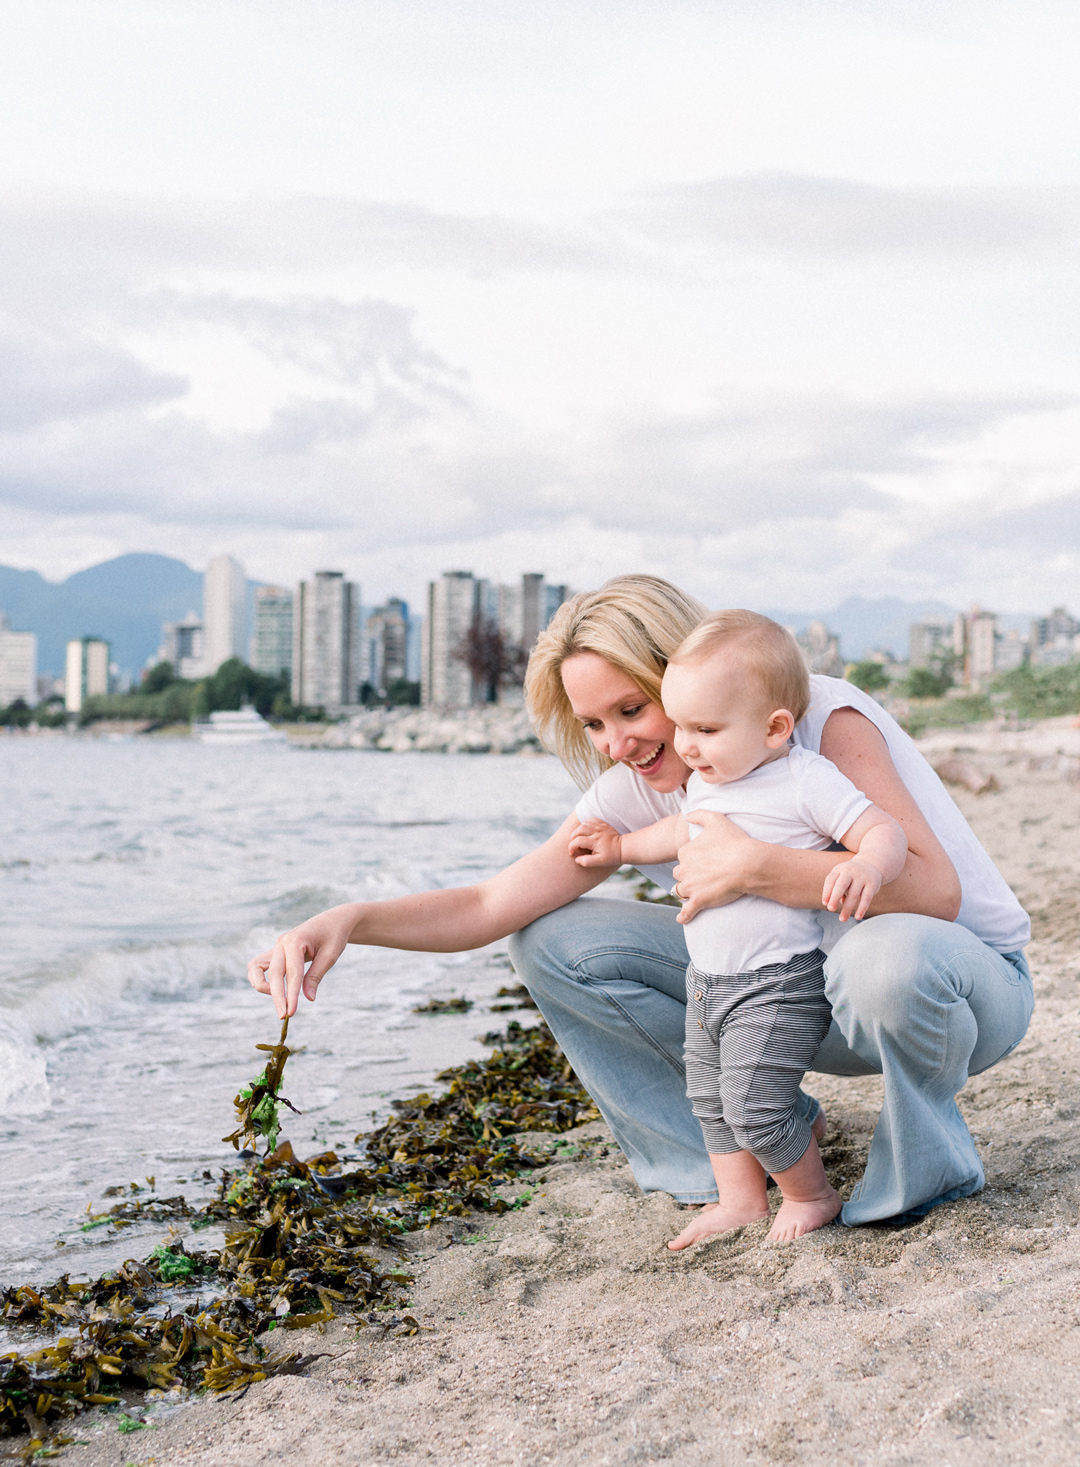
(565, 1332)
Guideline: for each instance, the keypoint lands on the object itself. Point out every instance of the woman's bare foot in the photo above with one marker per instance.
(715, 1218)
(795, 1218)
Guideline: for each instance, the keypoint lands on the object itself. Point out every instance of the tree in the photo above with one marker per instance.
(494, 661)
(17, 714)
(924, 682)
(868, 675)
(158, 678)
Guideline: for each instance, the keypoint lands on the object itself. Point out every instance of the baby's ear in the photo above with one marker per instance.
(781, 727)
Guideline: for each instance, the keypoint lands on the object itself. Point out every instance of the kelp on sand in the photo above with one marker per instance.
(300, 1241)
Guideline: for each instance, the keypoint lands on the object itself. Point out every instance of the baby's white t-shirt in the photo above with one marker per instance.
(802, 801)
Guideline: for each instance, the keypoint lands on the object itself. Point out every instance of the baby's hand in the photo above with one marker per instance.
(850, 887)
(596, 844)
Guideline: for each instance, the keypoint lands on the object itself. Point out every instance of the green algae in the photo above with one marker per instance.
(301, 1242)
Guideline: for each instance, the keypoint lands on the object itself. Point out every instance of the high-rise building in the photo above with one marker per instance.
(224, 612)
(18, 665)
(533, 609)
(820, 648)
(930, 642)
(272, 634)
(975, 642)
(1055, 638)
(386, 633)
(86, 672)
(326, 642)
(459, 669)
(182, 646)
(446, 680)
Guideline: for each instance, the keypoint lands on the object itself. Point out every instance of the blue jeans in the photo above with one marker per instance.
(919, 1001)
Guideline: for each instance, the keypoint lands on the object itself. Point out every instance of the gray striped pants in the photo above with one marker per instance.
(750, 1038)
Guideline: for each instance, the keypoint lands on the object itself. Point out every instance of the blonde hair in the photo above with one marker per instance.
(634, 622)
(770, 652)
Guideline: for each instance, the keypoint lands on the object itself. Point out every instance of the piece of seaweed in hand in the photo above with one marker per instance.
(258, 1104)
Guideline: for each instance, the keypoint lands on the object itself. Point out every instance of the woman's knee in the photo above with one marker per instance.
(890, 962)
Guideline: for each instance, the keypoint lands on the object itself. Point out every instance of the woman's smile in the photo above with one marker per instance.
(648, 762)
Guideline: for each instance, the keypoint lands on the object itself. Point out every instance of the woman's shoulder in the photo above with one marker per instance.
(827, 695)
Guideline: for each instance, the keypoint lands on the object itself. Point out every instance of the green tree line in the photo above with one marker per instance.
(164, 698)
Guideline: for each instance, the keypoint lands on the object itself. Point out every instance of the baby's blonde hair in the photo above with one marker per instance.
(770, 652)
(634, 622)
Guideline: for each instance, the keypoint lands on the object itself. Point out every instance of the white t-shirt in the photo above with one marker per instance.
(802, 801)
(988, 906)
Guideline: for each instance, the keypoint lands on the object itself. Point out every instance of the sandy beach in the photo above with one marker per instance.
(566, 1333)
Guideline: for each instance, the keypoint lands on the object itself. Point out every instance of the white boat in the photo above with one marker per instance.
(243, 727)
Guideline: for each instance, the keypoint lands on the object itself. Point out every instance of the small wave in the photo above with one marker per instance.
(24, 1084)
(54, 1002)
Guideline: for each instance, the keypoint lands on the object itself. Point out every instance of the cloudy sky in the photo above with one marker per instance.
(775, 297)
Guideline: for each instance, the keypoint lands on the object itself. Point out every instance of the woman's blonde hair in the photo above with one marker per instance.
(633, 622)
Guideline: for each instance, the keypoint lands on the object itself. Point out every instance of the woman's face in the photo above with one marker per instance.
(622, 722)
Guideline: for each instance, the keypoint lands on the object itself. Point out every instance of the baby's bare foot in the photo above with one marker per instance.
(715, 1218)
(796, 1218)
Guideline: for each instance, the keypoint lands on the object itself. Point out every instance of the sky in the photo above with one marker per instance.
(778, 299)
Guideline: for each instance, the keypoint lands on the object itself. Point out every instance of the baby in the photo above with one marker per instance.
(756, 1008)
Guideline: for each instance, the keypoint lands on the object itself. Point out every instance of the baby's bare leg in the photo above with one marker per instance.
(809, 1201)
(740, 1180)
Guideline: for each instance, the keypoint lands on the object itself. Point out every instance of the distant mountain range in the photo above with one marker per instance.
(126, 600)
(864, 625)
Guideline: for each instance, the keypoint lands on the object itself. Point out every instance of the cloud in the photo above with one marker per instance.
(767, 457)
(103, 241)
(369, 346)
(842, 218)
(44, 380)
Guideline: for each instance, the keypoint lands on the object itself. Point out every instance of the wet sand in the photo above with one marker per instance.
(566, 1333)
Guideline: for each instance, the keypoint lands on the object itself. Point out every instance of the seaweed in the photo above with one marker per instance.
(524, 999)
(305, 1241)
(258, 1104)
(444, 1006)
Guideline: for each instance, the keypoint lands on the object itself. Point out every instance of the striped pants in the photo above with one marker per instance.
(750, 1038)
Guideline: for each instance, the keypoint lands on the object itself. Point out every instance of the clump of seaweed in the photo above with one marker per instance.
(444, 1006)
(258, 1105)
(523, 999)
(302, 1242)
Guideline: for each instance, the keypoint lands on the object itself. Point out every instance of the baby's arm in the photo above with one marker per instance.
(595, 844)
(881, 849)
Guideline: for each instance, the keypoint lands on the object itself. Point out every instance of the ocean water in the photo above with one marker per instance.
(136, 880)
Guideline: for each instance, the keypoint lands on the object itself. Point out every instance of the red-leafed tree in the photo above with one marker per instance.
(494, 661)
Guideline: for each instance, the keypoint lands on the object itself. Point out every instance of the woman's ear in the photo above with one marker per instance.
(781, 727)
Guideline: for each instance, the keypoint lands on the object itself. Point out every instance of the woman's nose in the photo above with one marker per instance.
(619, 745)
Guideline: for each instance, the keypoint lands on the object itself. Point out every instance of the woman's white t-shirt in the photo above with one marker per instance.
(988, 906)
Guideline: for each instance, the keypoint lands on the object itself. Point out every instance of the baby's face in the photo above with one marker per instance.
(724, 727)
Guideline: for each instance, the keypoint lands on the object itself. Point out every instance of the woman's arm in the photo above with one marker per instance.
(725, 863)
(432, 921)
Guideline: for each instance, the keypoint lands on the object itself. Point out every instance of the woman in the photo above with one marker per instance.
(931, 990)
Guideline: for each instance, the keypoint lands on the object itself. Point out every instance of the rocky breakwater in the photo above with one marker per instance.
(490, 730)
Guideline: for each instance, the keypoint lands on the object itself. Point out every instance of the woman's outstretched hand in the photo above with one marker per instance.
(712, 867)
(301, 959)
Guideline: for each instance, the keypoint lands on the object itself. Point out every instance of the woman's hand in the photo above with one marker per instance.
(713, 868)
(318, 942)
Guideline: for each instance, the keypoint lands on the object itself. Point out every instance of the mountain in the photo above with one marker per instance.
(864, 625)
(124, 600)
